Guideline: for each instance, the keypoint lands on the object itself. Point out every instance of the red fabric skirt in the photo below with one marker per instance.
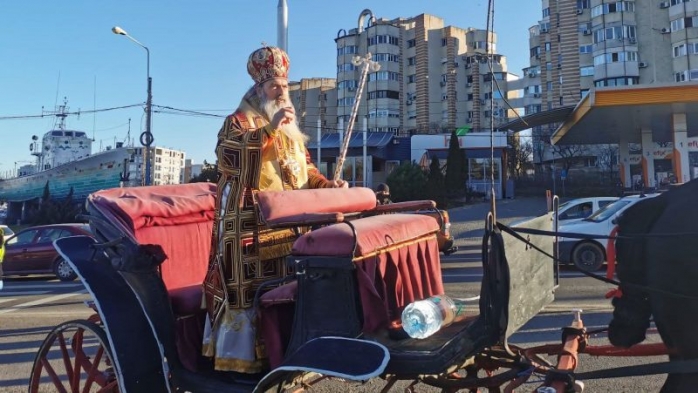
(387, 283)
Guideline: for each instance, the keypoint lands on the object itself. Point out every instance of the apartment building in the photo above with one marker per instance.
(167, 165)
(315, 102)
(191, 170)
(580, 44)
(433, 78)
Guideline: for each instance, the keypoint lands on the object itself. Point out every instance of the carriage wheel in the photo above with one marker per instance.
(74, 357)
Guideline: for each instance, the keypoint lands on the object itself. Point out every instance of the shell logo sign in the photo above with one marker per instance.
(692, 144)
(634, 159)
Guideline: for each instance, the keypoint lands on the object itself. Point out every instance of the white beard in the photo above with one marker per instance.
(291, 130)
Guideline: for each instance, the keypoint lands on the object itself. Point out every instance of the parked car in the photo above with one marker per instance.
(578, 209)
(31, 251)
(590, 254)
(7, 232)
(572, 211)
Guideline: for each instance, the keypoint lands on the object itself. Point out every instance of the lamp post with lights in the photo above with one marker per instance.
(147, 136)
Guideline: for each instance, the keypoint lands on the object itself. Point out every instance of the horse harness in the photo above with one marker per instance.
(668, 367)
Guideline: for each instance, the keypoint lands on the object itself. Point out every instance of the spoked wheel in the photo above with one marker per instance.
(74, 357)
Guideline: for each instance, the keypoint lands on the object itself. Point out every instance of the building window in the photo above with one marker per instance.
(615, 32)
(681, 23)
(346, 101)
(622, 81)
(347, 84)
(586, 71)
(346, 67)
(394, 113)
(412, 61)
(392, 94)
(348, 50)
(609, 8)
(680, 50)
(615, 57)
(383, 39)
(583, 4)
(411, 43)
(444, 41)
(585, 48)
(389, 57)
(410, 78)
(384, 76)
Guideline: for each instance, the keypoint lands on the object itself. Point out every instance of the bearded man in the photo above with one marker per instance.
(260, 147)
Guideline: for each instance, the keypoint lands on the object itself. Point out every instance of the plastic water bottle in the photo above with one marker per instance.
(423, 318)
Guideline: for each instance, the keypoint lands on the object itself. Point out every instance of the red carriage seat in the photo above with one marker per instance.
(179, 218)
(396, 255)
(397, 260)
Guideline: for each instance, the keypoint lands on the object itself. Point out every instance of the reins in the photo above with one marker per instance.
(515, 233)
(585, 236)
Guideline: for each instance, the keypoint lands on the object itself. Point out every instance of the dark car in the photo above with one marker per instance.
(31, 251)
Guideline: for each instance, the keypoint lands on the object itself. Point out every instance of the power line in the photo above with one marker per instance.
(20, 117)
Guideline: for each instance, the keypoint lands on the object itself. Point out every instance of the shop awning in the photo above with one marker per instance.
(373, 139)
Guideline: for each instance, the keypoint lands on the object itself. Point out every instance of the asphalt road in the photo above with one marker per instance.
(31, 307)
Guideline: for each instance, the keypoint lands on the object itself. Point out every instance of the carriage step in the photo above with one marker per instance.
(347, 358)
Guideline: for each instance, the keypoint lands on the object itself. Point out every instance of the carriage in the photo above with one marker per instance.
(336, 315)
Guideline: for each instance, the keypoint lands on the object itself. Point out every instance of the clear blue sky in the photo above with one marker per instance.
(198, 58)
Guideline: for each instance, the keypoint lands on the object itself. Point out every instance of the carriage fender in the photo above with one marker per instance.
(341, 357)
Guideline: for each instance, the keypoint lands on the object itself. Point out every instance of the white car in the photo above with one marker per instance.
(590, 254)
(578, 209)
(7, 231)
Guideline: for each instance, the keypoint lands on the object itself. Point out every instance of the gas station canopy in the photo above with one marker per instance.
(609, 114)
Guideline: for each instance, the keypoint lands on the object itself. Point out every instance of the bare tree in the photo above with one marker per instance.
(520, 156)
(607, 156)
(569, 155)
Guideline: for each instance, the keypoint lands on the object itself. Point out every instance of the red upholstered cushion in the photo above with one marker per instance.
(275, 205)
(373, 233)
(179, 218)
(147, 206)
(186, 300)
(187, 247)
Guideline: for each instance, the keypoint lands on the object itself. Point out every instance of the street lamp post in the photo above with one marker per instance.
(147, 136)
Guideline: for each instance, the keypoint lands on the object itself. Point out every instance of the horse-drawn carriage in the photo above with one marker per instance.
(337, 315)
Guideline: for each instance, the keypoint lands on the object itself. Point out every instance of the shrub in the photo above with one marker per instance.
(408, 182)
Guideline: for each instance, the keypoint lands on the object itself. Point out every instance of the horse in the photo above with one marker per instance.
(657, 266)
